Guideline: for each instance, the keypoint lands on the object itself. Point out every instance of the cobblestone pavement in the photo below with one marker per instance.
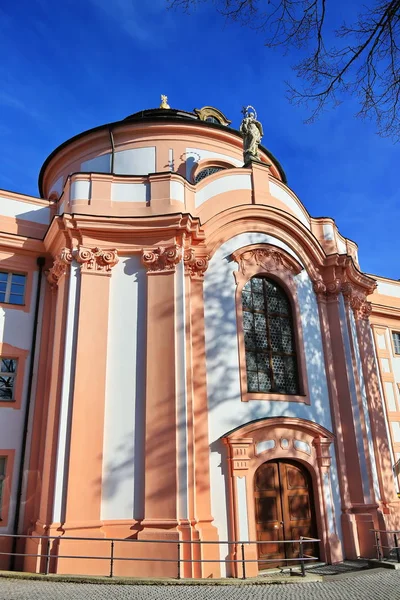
(378, 584)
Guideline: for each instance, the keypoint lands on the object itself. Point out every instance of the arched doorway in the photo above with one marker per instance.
(284, 510)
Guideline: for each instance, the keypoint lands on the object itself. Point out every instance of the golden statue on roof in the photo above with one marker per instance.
(164, 102)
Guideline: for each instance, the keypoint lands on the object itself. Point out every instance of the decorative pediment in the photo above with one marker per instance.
(210, 113)
(264, 259)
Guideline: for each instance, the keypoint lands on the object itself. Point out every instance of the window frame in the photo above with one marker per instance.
(268, 352)
(7, 485)
(11, 374)
(9, 283)
(11, 352)
(282, 272)
(19, 265)
(393, 332)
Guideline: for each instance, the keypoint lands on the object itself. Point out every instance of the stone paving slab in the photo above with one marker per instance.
(377, 584)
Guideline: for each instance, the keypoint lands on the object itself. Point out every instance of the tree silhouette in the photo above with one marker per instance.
(363, 61)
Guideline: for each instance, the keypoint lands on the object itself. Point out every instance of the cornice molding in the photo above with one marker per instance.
(128, 234)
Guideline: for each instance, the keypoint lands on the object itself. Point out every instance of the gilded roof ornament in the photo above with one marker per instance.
(164, 102)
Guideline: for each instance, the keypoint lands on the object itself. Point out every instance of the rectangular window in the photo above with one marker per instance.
(12, 288)
(3, 463)
(396, 342)
(8, 373)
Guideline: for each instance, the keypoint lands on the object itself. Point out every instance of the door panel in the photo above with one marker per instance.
(284, 510)
(268, 511)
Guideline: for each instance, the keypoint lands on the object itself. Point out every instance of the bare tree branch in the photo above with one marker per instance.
(364, 63)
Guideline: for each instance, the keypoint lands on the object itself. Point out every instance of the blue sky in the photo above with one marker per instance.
(71, 65)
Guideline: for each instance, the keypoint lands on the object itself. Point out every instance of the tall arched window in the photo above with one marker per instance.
(271, 364)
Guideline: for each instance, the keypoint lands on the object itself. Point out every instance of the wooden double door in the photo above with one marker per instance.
(284, 510)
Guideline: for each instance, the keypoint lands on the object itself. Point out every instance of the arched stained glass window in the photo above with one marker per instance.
(271, 364)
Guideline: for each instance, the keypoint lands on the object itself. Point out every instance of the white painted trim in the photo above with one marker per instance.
(171, 159)
(80, 190)
(242, 509)
(330, 509)
(354, 402)
(135, 161)
(98, 164)
(181, 400)
(130, 192)
(24, 210)
(66, 392)
(365, 407)
(341, 246)
(279, 192)
(177, 191)
(388, 289)
(329, 234)
(227, 183)
(392, 456)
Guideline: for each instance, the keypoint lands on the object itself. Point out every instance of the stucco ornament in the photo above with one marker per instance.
(265, 259)
(96, 259)
(161, 259)
(252, 133)
(195, 265)
(59, 268)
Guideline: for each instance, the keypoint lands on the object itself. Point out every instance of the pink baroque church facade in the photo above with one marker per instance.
(188, 356)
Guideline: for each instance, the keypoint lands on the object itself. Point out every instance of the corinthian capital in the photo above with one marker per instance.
(195, 265)
(161, 259)
(361, 307)
(60, 265)
(96, 260)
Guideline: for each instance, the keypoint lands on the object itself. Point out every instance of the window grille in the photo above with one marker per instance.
(12, 288)
(396, 342)
(8, 373)
(206, 172)
(271, 364)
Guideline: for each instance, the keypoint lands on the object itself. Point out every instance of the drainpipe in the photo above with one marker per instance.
(40, 263)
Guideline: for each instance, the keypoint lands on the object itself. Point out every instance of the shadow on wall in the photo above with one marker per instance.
(123, 473)
(224, 403)
(226, 410)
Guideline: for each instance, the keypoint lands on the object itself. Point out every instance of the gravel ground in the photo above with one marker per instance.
(377, 584)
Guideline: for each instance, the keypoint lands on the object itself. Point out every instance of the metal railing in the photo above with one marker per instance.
(51, 552)
(381, 547)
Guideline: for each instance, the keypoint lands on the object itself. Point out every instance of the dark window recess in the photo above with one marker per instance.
(271, 364)
(206, 172)
(396, 342)
(212, 119)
